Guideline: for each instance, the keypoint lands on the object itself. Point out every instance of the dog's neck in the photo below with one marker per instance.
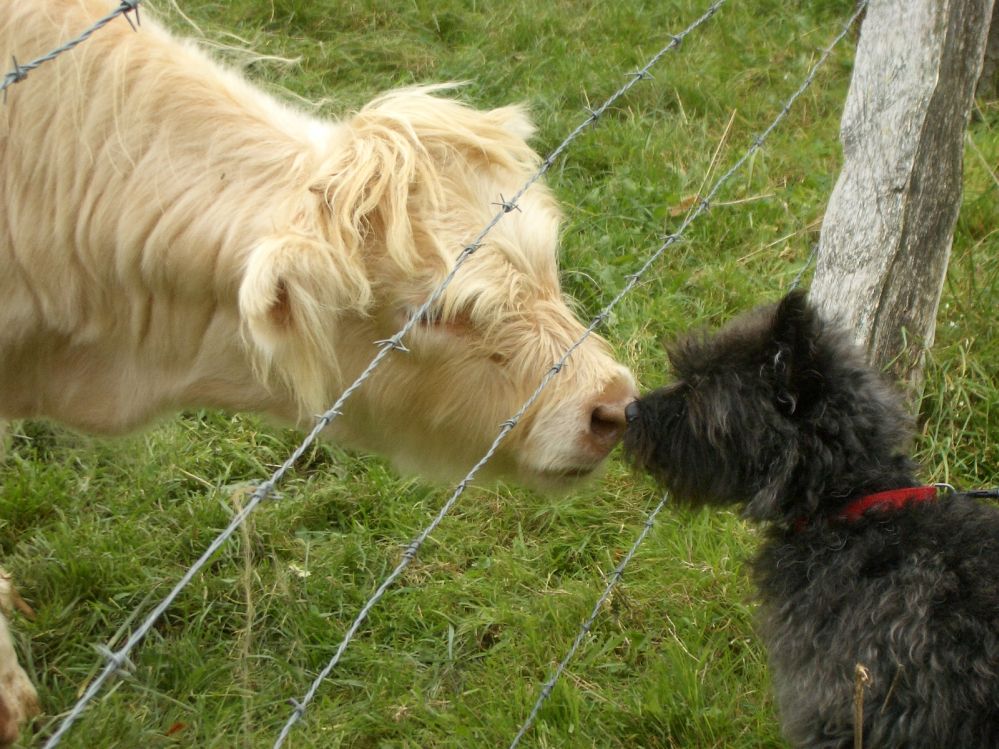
(890, 500)
(893, 499)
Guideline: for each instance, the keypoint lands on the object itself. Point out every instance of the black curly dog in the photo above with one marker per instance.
(779, 412)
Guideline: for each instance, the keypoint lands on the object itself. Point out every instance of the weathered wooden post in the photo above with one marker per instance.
(887, 232)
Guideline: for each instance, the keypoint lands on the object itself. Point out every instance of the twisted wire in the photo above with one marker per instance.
(20, 72)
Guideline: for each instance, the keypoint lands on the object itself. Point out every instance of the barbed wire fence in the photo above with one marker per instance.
(20, 72)
(117, 662)
(632, 281)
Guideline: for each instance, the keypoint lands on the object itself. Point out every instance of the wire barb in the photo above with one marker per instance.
(120, 661)
(391, 344)
(326, 419)
(20, 72)
(508, 206)
(130, 6)
(15, 76)
(600, 318)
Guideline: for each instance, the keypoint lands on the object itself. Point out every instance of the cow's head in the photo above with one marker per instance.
(410, 181)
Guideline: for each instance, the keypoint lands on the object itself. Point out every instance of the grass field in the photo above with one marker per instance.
(455, 654)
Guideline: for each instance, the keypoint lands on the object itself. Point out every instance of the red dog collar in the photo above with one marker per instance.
(890, 500)
(894, 499)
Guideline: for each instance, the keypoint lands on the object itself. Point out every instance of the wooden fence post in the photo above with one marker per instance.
(886, 236)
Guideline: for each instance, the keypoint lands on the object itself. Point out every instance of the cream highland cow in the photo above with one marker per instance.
(173, 237)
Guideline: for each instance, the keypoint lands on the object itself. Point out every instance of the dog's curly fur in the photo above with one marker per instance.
(779, 412)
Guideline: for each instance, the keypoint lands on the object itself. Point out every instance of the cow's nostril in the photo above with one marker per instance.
(607, 424)
(607, 415)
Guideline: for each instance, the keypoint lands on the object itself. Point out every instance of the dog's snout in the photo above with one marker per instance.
(632, 412)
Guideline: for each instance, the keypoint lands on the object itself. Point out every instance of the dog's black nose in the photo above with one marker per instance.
(632, 412)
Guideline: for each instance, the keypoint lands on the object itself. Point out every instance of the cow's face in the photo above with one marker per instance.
(483, 349)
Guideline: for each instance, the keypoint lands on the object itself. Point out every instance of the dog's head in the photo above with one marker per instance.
(410, 181)
(776, 410)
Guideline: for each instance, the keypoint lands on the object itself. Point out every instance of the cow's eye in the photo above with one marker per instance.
(433, 320)
(433, 316)
(429, 318)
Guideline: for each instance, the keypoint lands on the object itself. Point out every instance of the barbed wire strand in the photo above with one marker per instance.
(20, 72)
(588, 624)
(117, 660)
(413, 548)
(812, 256)
(615, 577)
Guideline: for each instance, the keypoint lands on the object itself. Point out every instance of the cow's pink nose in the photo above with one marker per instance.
(607, 419)
(607, 425)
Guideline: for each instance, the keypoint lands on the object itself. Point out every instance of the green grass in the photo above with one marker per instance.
(455, 654)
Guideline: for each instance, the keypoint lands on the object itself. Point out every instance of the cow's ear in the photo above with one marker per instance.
(293, 294)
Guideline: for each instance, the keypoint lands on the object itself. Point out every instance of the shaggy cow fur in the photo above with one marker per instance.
(780, 413)
(173, 237)
(18, 700)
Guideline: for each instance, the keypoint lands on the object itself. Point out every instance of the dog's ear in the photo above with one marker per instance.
(795, 331)
(293, 293)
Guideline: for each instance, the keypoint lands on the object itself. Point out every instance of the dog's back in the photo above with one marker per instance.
(912, 597)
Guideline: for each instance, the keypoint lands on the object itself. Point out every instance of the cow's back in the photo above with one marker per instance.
(135, 174)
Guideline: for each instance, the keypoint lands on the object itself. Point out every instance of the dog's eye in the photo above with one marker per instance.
(678, 391)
